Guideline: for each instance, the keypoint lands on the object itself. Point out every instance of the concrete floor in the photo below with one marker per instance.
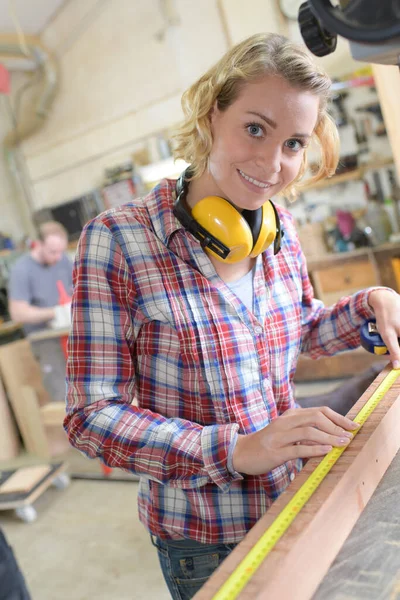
(88, 543)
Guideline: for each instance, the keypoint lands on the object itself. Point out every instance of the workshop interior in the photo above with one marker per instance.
(90, 99)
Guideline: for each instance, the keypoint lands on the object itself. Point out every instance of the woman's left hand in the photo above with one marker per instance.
(386, 306)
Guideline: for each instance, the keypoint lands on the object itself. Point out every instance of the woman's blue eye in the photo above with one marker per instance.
(295, 145)
(255, 130)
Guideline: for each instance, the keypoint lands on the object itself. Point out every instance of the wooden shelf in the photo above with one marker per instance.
(48, 334)
(345, 177)
(339, 258)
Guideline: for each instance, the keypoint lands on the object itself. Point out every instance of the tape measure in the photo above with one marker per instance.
(246, 569)
(371, 340)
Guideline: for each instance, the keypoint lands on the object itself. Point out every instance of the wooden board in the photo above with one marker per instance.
(35, 438)
(16, 500)
(19, 367)
(9, 442)
(299, 561)
(387, 83)
(53, 414)
(24, 479)
(48, 334)
(396, 271)
(22, 378)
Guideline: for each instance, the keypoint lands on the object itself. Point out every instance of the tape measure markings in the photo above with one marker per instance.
(251, 562)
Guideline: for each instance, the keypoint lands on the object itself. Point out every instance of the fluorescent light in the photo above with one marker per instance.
(165, 168)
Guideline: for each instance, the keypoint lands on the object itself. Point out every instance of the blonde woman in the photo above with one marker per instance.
(191, 308)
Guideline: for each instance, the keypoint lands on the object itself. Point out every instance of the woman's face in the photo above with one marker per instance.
(259, 141)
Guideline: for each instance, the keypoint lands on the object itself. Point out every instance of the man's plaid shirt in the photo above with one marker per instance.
(166, 365)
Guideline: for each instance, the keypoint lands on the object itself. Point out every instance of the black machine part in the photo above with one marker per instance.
(360, 21)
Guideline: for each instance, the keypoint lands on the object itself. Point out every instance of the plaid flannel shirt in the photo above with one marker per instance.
(166, 365)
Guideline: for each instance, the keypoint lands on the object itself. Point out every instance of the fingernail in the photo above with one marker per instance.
(396, 364)
(355, 425)
(348, 434)
(344, 441)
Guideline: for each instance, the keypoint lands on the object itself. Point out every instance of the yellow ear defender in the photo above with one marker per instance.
(223, 231)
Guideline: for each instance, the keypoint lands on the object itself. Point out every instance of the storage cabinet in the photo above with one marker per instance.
(337, 275)
(334, 282)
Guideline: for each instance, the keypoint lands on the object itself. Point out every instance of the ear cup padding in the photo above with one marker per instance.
(226, 223)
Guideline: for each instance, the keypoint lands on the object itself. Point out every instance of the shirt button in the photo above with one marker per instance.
(258, 329)
(292, 476)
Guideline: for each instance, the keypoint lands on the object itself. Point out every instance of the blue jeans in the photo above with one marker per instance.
(186, 564)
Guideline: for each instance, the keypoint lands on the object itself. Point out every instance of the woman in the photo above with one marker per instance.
(181, 361)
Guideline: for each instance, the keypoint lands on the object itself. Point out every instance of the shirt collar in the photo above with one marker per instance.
(160, 203)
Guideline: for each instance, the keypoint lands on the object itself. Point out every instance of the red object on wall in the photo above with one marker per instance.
(63, 297)
(4, 80)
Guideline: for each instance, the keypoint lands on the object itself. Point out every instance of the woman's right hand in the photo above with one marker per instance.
(297, 433)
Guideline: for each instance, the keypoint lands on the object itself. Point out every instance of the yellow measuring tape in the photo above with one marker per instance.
(246, 569)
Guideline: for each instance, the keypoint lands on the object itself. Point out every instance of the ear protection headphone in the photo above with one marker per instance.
(222, 230)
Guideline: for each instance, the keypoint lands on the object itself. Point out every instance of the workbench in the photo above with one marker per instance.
(343, 543)
(368, 565)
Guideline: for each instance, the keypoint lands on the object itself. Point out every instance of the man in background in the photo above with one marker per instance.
(34, 300)
(33, 293)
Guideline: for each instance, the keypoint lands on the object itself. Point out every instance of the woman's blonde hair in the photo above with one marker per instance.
(258, 55)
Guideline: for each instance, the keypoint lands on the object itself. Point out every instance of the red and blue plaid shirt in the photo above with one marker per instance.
(166, 365)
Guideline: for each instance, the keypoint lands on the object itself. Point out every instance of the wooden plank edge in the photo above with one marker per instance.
(24, 479)
(318, 544)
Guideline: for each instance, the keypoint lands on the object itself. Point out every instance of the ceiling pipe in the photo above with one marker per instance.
(10, 47)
